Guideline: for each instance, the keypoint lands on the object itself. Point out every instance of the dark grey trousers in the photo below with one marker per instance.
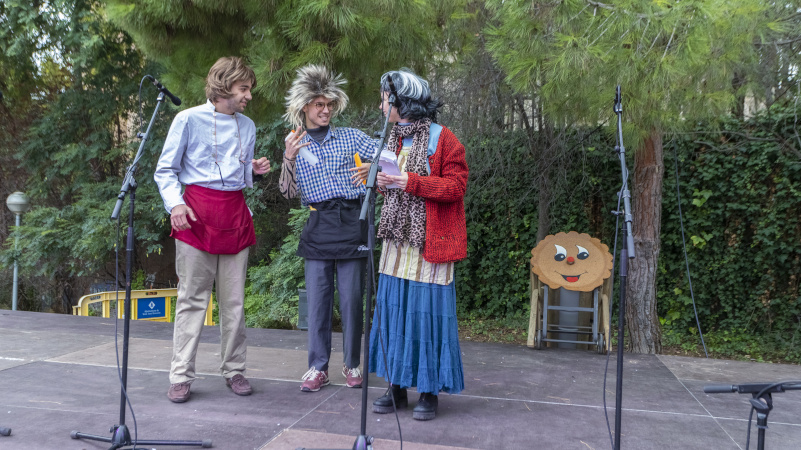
(320, 296)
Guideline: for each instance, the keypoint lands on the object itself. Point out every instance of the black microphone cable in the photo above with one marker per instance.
(141, 113)
(684, 246)
(384, 355)
(609, 316)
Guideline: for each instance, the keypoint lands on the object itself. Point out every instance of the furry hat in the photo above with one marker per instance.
(313, 81)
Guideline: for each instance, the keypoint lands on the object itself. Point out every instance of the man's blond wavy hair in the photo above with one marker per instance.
(223, 74)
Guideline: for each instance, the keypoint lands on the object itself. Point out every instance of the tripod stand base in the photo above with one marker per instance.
(362, 443)
(120, 437)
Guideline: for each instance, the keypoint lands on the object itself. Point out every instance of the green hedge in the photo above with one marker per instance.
(741, 199)
(502, 212)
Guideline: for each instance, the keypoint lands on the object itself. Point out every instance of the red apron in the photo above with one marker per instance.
(224, 225)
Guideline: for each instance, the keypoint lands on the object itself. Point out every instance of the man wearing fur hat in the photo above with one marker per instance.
(317, 159)
(209, 153)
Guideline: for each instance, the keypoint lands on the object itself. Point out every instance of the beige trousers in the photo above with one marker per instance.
(197, 272)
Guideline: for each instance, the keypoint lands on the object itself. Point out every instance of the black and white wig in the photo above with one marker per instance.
(414, 101)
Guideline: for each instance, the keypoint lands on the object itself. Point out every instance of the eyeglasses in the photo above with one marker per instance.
(219, 169)
(320, 105)
(241, 150)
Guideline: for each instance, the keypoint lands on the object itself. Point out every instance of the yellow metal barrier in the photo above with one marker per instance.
(147, 304)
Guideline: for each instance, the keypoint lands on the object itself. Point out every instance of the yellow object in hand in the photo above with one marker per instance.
(358, 161)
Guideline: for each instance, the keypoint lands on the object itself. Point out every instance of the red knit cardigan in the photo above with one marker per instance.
(443, 191)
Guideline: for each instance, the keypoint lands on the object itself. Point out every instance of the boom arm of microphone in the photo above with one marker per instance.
(374, 167)
(175, 100)
(752, 388)
(618, 108)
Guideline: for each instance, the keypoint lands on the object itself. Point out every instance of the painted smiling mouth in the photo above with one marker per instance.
(571, 278)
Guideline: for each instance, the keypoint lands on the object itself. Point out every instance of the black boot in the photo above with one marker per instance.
(383, 404)
(426, 408)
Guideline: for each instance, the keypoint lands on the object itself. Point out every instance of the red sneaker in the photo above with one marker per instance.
(353, 377)
(314, 379)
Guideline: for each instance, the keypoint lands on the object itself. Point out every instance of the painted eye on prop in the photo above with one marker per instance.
(561, 253)
(582, 254)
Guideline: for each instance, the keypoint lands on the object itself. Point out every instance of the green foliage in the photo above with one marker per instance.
(735, 344)
(138, 281)
(269, 208)
(360, 38)
(80, 99)
(502, 206)
(741, 199)
(506, 330)
(272, 297)
(574, 53)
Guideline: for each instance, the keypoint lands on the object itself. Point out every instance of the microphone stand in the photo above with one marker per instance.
(364, 442)
(120, 436)
(761, 400)
(626, 253)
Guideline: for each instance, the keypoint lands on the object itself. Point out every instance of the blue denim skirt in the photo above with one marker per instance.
(414, 340)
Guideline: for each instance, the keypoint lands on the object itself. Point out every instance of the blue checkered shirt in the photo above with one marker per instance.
(330, 177)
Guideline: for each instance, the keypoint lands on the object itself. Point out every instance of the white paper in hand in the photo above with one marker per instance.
(304, 152)
(389, 165)
(308, 156)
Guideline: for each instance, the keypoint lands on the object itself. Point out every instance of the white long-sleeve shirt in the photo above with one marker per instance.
(206, 148)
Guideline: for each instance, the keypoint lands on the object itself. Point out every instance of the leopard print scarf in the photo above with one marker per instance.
(403, 216)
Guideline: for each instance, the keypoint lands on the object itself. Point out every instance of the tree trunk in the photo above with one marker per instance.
(545, 141)
(646, 186)
(543, 206)
(737, 82)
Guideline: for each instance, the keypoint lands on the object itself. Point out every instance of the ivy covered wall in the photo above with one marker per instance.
(741, 199)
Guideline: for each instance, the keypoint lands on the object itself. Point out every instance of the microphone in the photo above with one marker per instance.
(175, 100)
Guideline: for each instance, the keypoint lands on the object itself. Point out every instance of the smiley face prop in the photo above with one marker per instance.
(571, 260)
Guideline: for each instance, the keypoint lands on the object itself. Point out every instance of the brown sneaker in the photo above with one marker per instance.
(314, 379)
(179, 392)
(353, 377)
(239, 384)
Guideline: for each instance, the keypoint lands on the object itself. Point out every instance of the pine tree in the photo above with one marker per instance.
(359, 38)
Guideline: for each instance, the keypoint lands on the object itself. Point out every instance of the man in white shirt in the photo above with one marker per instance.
(209, 150)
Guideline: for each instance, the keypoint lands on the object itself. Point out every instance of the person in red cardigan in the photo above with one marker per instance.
(414, 341)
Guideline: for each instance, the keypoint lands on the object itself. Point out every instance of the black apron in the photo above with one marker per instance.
(334, 231)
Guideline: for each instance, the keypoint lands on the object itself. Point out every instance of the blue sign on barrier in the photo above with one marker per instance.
(151, 308)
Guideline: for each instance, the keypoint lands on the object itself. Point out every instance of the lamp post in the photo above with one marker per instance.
(18, 203)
